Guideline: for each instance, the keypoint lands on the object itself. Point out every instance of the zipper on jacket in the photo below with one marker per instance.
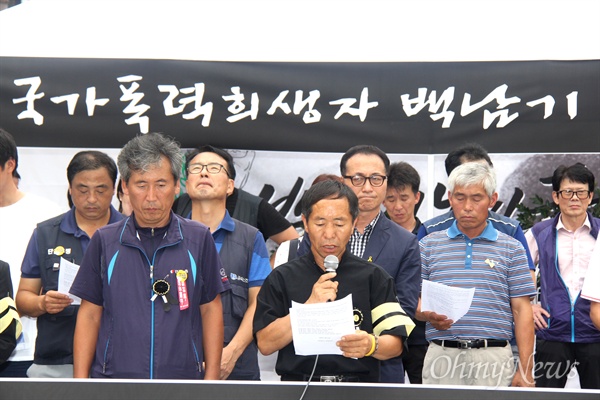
(105, 355)
(571, 302)
(573, 317)
(151, 264)
(152, 308)
(151, 324)
(572, 325)
(197, 356)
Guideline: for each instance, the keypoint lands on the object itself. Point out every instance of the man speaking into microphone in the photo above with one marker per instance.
(329, 212)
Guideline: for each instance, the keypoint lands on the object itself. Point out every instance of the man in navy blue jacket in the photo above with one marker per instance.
(379, 240)
(150, 285)
(563, 245)
(64, 238)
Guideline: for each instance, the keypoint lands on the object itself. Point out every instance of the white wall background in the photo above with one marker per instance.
(304, 30)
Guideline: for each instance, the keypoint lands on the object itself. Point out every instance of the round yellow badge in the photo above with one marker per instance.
(59, 250)
(182, 275)
(358, 317)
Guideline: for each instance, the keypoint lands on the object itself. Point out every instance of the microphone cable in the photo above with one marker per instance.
(331, 264)
(310, 378)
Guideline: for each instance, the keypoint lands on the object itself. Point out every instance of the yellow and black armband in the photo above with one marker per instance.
(8, 314)
(391, 317)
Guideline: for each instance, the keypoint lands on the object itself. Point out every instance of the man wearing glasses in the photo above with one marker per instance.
(377, 239)
(243, 253)
(563, 246)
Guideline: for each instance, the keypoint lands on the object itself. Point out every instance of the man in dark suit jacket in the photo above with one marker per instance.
(379, 240)
(10, 324)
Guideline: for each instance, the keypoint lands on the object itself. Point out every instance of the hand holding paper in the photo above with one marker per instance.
(445, 301)
(316, 328)
(54, 302)
(355, 345)
(66, 276)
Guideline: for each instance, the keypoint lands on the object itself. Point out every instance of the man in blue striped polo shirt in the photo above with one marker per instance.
(471, 253)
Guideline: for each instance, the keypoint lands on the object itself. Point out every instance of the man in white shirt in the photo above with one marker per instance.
(591, 285)
(19, 214)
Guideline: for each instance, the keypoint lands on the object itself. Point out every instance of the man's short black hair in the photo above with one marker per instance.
(402, 175)
(91, 160)
(577, 173)
(8, 151)
(364, 149)
(466, 153)
(329, 189)
(207, 148)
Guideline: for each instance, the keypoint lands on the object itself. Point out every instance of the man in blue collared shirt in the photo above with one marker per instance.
(92, 176)
(473, 152)
(243, 253)
(471, 253)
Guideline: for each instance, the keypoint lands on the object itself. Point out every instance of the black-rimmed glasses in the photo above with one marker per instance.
(568, 194)
(374, 180)
(211, 168)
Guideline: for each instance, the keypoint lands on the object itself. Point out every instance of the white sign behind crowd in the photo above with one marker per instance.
(284, 176)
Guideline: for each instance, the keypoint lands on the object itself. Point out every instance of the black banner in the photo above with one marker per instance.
(91, 389)
(508, 107)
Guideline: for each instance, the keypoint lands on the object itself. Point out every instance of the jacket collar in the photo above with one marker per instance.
(593, 221)
(173, 235)
(489, 232)
(227, 223)
(69, 224)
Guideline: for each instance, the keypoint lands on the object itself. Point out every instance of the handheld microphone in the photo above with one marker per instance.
(331, 263)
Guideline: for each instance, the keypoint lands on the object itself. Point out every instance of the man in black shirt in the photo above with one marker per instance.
(10, 324)
(329, 214)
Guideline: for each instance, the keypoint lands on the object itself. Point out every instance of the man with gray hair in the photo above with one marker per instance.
(150, 285)
(475, 350)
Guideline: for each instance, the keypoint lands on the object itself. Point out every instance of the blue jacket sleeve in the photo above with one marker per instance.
(408, 281)
(422, 232)
(304, 246)
(520, 236)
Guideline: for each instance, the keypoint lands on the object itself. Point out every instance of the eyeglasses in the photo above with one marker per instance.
(359, 180)
(212, 168)
(567, 194)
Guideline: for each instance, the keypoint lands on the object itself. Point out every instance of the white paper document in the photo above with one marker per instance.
(317, 327)
(446, 300)
(66, 276)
